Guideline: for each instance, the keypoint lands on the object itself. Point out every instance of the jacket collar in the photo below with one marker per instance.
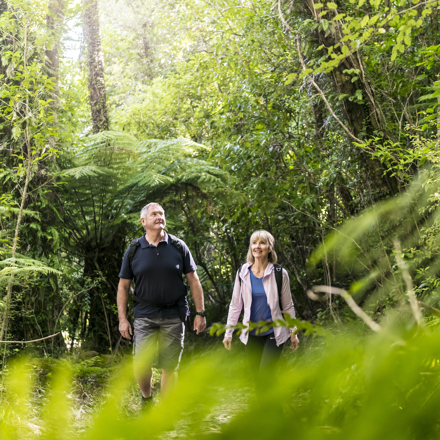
(245, 270)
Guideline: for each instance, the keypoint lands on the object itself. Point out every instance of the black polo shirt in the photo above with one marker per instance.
(157, 272)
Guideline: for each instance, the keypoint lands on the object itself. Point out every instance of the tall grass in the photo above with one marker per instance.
(342, 386)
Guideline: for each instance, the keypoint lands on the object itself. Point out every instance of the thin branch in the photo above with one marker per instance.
(328, 290)
(410, 9)
(431, 309)
(409, 284)
(322, 94)
(28, 342)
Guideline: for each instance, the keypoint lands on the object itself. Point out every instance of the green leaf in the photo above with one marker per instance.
(364, 21)
(373, 20)
(290, 78)
(332, 5)
(324, 24)
(318, 5)
(338, 17)
(16, 131)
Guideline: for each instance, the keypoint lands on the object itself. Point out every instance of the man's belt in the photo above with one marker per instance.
(159, 305)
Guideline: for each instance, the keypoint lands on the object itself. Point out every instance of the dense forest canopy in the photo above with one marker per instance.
(235, 115)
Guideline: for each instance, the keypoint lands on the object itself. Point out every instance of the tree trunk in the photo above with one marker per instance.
(95, 62)
(55, 21)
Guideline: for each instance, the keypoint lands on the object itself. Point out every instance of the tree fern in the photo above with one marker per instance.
(112, 174)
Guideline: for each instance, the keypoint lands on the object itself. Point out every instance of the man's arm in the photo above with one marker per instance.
(122, 301)
(197, 295)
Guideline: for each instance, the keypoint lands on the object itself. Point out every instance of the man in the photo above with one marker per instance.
(160, 306)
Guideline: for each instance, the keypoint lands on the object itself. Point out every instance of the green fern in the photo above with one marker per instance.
(23, 268)
(113, 175)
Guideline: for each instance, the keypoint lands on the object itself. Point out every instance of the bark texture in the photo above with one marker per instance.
(95, 62)
(55, 22)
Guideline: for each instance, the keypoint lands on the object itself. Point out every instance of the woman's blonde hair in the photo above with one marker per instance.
(268, 238)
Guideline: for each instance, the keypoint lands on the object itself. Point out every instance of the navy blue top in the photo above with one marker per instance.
(260, 310)
(157, 272)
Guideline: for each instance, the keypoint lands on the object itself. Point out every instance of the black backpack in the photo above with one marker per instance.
(132, 250)
(278, 279)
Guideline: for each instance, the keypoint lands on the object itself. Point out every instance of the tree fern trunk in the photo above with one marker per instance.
(95, 62)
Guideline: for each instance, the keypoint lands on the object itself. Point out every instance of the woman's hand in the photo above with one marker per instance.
(227, 343)
(294, 341)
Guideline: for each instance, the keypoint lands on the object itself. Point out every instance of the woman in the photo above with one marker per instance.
(257, 292)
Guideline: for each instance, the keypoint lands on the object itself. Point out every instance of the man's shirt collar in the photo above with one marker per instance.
(144, 243)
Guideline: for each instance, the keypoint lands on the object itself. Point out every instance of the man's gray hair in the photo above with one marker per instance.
(144, 210)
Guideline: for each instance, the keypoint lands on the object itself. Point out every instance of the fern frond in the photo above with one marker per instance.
(23, 262)
(110, 138)
(27, 270)
(7, 211)
(160, 145)
(87, 171)
(148, 180)
(23, 269)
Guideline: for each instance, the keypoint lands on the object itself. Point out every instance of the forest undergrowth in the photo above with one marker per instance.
(87, 391)
(343, 383)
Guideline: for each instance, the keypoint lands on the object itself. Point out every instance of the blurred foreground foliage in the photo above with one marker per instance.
(339, 385)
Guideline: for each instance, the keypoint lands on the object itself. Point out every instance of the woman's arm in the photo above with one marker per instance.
(234, 311)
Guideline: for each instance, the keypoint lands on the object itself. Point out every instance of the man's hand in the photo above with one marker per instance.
(197, 294)
(125, 329)
(227, 343)
(199, 324)
(122, 300)
(294, 341)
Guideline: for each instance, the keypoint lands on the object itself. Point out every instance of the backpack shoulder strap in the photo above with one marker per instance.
(279, 280)
(132, 250)
(177, 244)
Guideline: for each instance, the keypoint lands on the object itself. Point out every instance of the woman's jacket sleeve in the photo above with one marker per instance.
(286, 298)
(235, 307)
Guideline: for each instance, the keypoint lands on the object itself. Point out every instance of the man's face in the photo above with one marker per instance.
(154, 220)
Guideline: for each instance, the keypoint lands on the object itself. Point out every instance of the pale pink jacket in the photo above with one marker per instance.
(242, 297)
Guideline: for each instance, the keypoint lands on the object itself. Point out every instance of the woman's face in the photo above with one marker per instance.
(260, 249)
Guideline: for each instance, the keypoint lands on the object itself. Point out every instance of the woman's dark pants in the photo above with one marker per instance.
(263, 354)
